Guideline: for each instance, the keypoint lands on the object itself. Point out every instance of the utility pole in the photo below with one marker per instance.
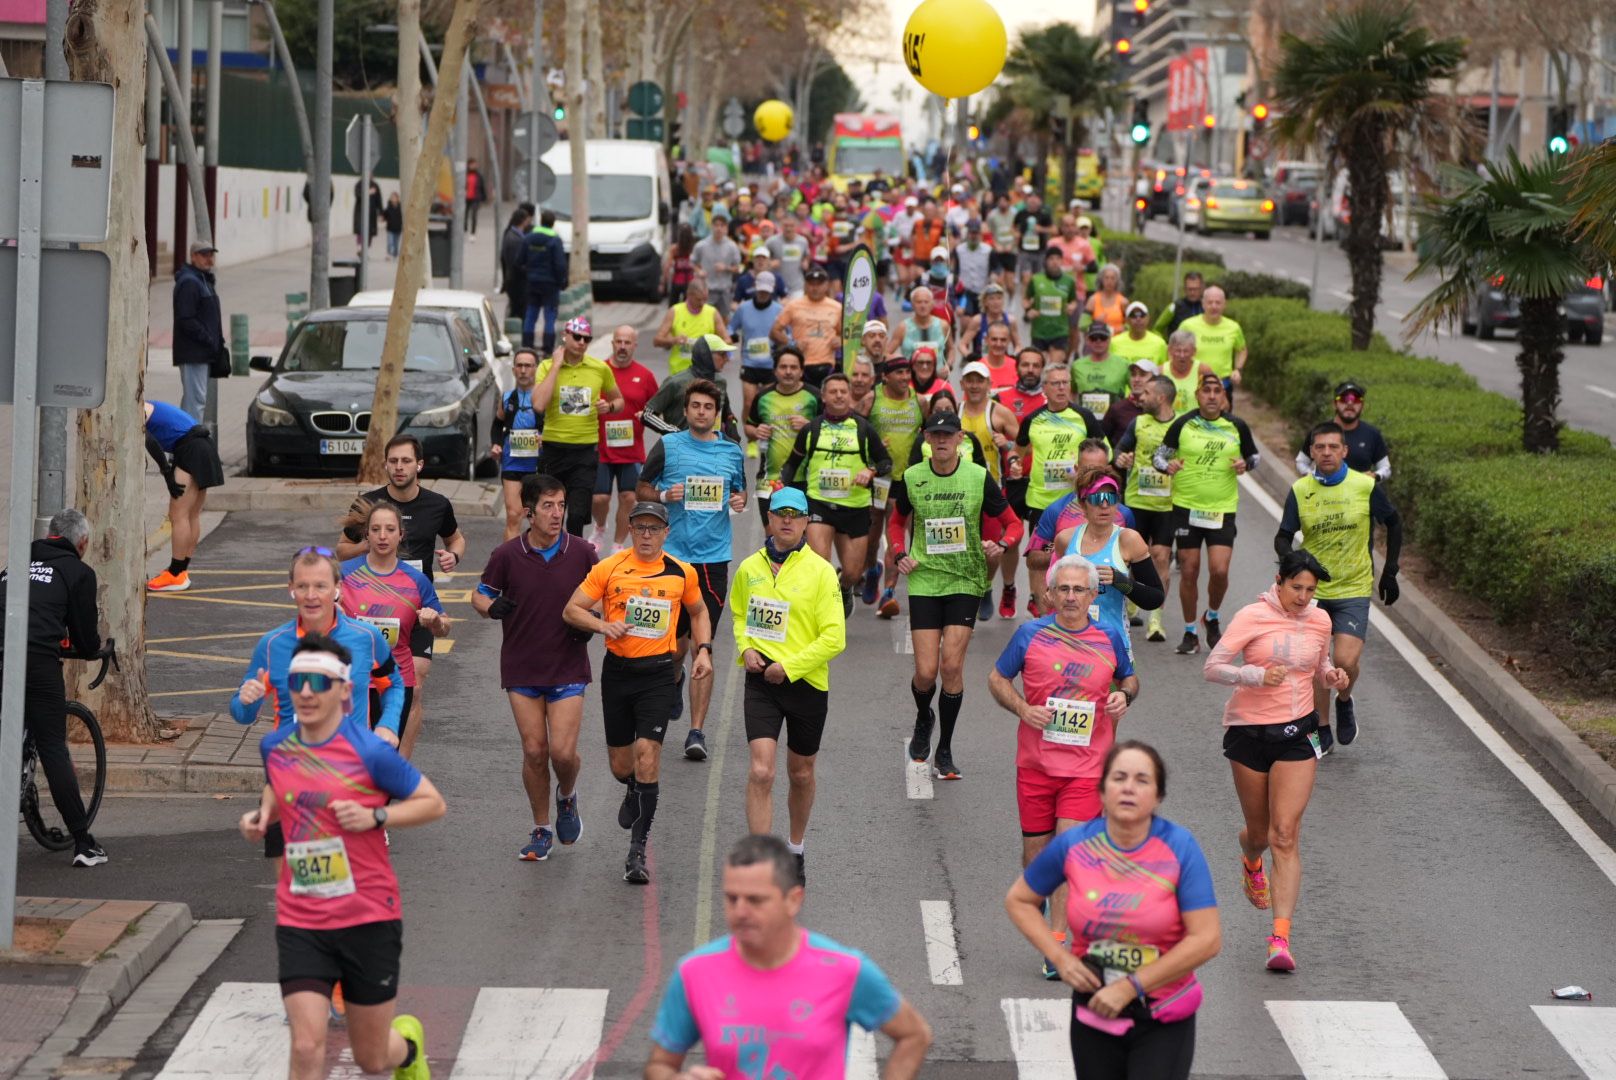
(320, 182)
(52, 466)
(577, 135)
(181, 112)
(210, 165)
(457, 225)
(300, 111)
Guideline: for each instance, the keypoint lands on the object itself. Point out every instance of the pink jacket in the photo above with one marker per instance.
(1263, 635)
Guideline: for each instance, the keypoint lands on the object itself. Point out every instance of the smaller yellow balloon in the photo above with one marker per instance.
(955, 48)
(773, 120)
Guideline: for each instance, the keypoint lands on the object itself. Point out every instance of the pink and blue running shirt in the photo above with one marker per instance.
(1132, 898)
(389, 602)
(1054, 662)
(791, 1021)
(1065, 513)
(352, 764)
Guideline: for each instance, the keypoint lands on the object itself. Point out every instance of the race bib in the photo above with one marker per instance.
(1206, 519)
(1058, 474)
(1096, 401)
(1119, 959)
(1030, 240)
(525, 444)
(1049, 306)
(619, 433)
(704, 493)
(1154, 483)
(767, 619)
(790, 253)
(835, 481)
(319, 868)
(416, 563)
(1071, 722)
(880, 488)
(388, 627)
(577, 400)
(757, 349)
(648, 616)
(945, 536)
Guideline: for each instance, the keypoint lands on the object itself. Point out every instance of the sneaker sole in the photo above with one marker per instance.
(644, 879)
(1283, 965)
(525, 857)
(88, 861)
(938, 774)
(695, 753)
(168, 588)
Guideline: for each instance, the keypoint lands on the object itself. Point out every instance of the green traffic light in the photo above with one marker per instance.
(560, 112)
(1141, 133)
(1559, 145)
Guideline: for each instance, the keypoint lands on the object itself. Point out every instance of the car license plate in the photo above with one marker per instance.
(600, 275)
(342, 446)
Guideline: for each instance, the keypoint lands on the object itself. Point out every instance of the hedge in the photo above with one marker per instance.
(1153, 284)
(1134, 252)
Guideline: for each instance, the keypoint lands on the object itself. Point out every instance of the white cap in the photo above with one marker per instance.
(873, 325)
(1140, 304)
(912, 201)
(764, 282)
(977, 367)
(1149, 367)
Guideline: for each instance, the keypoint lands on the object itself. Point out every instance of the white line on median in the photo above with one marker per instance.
(1039, 1038)
(916, 775)
(1600, 390)
(942, 954)
(1486, 348)
(902, 641)
(1339, 295)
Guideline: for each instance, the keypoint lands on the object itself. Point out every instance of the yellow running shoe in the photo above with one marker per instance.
(410, 1028)
(1255, 883)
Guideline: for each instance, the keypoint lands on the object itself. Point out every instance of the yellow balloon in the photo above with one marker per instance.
(955, 48)
(773, 120)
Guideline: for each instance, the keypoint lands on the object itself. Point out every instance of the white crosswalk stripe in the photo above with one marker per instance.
(239, 1034)
(1586, 1033)
(556, 1031)
(1039, 1037)
(1354, 1040)
(861, 1063)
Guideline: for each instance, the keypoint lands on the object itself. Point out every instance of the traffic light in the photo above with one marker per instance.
(1559, 129)
(1259, 117)
(973, 133)
(1141, 122)
(1124, 46)
(560, 112)
(1209, 121)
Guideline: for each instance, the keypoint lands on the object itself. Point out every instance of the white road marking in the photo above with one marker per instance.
(861, 1063)
(1595, 848)
(1600, 390)
(240, 1034)
(1486, 348)
(1339, 295)
(916, 775)
(1398, 315)
(942, 953)
(1354, 1040)
(902, 641)
(559, 1029)
(1039, 1038)
(139, 1017)
(1586, 1033)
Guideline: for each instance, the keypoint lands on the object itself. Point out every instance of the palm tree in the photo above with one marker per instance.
(1361, 85)
(1058, 61)
(1593, 176)
(1513, 225)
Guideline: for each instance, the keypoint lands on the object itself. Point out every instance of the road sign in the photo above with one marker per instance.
(77, 181)
(73, 288)
(734, 118)
(502, 96)
(645, 98)
(546, 182)
(650, 130)
(354, 151)
(522, 134)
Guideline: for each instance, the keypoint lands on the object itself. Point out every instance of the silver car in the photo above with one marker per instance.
(1492, 309)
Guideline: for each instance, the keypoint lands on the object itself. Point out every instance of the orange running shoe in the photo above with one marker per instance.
(166, 582)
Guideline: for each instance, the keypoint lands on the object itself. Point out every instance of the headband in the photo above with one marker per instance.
(1104, 481)
(319, 663)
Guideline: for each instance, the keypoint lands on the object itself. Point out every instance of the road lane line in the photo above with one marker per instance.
(236, 660)
(1595, 848)
(916, 775)
(1039, 1038)
(1486, 348)
(1600, 390)
(554, 1030)
(942, 954)
(150, 1005)
(1587, 1034)
(203, 637)
(903, 641)
(191, 693)
(240, 1034)
(1353, 1040)
(1339, 295)
(861, 1063)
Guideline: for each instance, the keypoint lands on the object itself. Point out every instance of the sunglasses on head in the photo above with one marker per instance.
(1101, 498)
(309, 680)
(327, 552)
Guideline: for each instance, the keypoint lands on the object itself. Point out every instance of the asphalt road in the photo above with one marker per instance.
(1441, 899)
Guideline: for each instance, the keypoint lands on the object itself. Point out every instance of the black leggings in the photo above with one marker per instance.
(1150, 1050)
(575, 465)
(45, 718)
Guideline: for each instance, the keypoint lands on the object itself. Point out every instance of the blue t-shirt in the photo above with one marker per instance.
(168, 424)
(372, 658)
(752, 324)
(523, 425)
(711, 471)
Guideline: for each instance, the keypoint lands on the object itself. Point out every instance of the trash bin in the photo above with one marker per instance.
(344, 281)
(437, 243)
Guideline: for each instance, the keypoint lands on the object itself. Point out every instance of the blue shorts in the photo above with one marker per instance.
(551, 694)
(1348, 615)
(626, 474)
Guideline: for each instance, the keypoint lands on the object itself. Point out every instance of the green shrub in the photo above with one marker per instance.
(1153, 285)
(1133, 253)
(1244, 283)
(1256, 314)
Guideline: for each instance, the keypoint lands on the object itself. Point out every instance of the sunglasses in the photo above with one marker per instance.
(585, 338)
(300, 681)
(1101, 498)
(327, 552)
(1350, 398)
(788, 515)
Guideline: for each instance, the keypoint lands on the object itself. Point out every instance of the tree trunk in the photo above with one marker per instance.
(1068, 165)
(1541, 336)
(578, 11)
(647, 65)
(597, 79)
(106, 42)
(407, 125)
(401, 316)
(1366, 203)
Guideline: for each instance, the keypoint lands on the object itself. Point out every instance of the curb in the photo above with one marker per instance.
(471, 498)
(108, 983)
(124, 778)
(1527, 717)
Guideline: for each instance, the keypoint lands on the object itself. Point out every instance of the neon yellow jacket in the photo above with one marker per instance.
(815, 630)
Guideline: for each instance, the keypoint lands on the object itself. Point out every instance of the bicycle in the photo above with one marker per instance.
(82, 727)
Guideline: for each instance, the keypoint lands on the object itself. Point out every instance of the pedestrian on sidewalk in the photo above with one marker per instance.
(513, 277)
(476, 195)
(189, 462)
(198, 327)
(393, 215)
(371, 205)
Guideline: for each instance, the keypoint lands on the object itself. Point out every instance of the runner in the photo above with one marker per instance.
(790, 256)
(993, 427)
(749, 328)
(972, 341)
(1049, 301)
(701, 478)
(337, 914)
(923, 327)
(1003, 372)
(1205, 452)
(1049, 439)
(936, 538)
(1185, 307)
(194, 468)
(895, 414)
(1139, 892)
(1023, 398)
(1106, 304)
(812, 322)
(1149, 493)
(518, 431)
(1127, 576)
(923, 374)
(862, 380)
(1219, 341)
(835, 460)
(395, 598)
(972, 265)
(1066, 512)
(1100, 377)
(788, 626)
(1139, 341)
(1336, 509)
(1184, 370)
(800, 988)
(1124, 409)
(1033, 225)
(585, 390)
(1272, 744)
(776, 416)
(622, 442)
(717, 259)
(1077, 683)
(1001, 227)
(687, 322)
(643, 593)
(543, 663)
(1366, 447)
(665, 412)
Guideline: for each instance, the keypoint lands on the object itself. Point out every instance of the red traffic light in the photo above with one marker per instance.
(1259, 111)
(1140, 204)
(1209, 120)
(1141, 6)
(1124, 46)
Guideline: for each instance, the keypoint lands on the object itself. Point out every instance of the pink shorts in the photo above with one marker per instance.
(1042, 799)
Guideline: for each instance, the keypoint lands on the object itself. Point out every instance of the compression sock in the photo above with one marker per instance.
(648, 801)
(178, 566)
(948, 710)
(922, 699)
(1282, 928)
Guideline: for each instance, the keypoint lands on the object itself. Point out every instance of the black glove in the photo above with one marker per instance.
(1389, 592)
(175, 488)
(501, 607)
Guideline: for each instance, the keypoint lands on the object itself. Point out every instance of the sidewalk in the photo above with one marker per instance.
(213, 755)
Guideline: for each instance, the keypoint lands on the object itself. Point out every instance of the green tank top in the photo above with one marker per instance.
(686, 325)
(776, 409)
(945, 537)
(833, 462)
(1337, 528)
(898, 424)
(1096, 384)
(1184, 400)
(1148, 487)
(1054, 438)
(1208, 482)
(1048, 307)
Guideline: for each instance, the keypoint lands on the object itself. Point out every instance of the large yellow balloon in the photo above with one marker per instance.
(955, 48)
(773, 120)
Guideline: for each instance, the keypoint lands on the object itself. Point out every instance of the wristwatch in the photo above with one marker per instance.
(705, 645)
(380, 814)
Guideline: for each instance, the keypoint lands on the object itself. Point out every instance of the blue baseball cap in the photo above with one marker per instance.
(788, 498)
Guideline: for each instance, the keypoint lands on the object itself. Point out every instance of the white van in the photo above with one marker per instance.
(628, 210)
(1392, 234)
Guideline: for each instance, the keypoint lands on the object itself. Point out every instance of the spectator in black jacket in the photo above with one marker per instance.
(61, 604)
(198, 328)
(513, 276)
(1185, 307)
(546, 265)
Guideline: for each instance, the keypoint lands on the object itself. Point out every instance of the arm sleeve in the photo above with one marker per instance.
(1304, 464)
(1148, 592)
(242, 713)
(392, 698)
(1290, 523)
(898, 529)
(655, 459)
(1024, 432)
(1047, 872)
(832, 639)
(675, 1027)
(155, 449)
(1248, 445)
(1383, 457)
(1129, 438)
(1169, 444)
(799, 452)
(875, 1001)
(1382, 510)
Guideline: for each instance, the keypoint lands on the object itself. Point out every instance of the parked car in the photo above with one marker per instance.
(479, 315)
(312, 414)
(1337, 213)
(1492, 309)
(1296, 196)
(1229, 204)
(1187, 202)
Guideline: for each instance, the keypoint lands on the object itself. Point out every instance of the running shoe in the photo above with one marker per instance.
(847, 601)
(629, 812)
(1153, 628)
(537, 848)
(943, 767)
(1326, 740)
(635, 872)
(166, 582)
(696, 745)
(1214, 630)
(1136, 620)
(802, 868)
(984, 610)
(679, 696)
(1033, 610)
(1190, 645)
(87, 852)
(1346, 720)
(751, 450)
(339, 1007)
(1255, 884)
(1007, 603)
(889, 604)
(410, 1028)
(871, 586)
(569, 826)
(1279, 955)
(920, 742)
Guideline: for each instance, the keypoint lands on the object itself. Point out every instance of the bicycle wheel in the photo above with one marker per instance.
(39, 811)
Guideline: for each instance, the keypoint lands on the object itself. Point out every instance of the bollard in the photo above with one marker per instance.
(240, 345)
